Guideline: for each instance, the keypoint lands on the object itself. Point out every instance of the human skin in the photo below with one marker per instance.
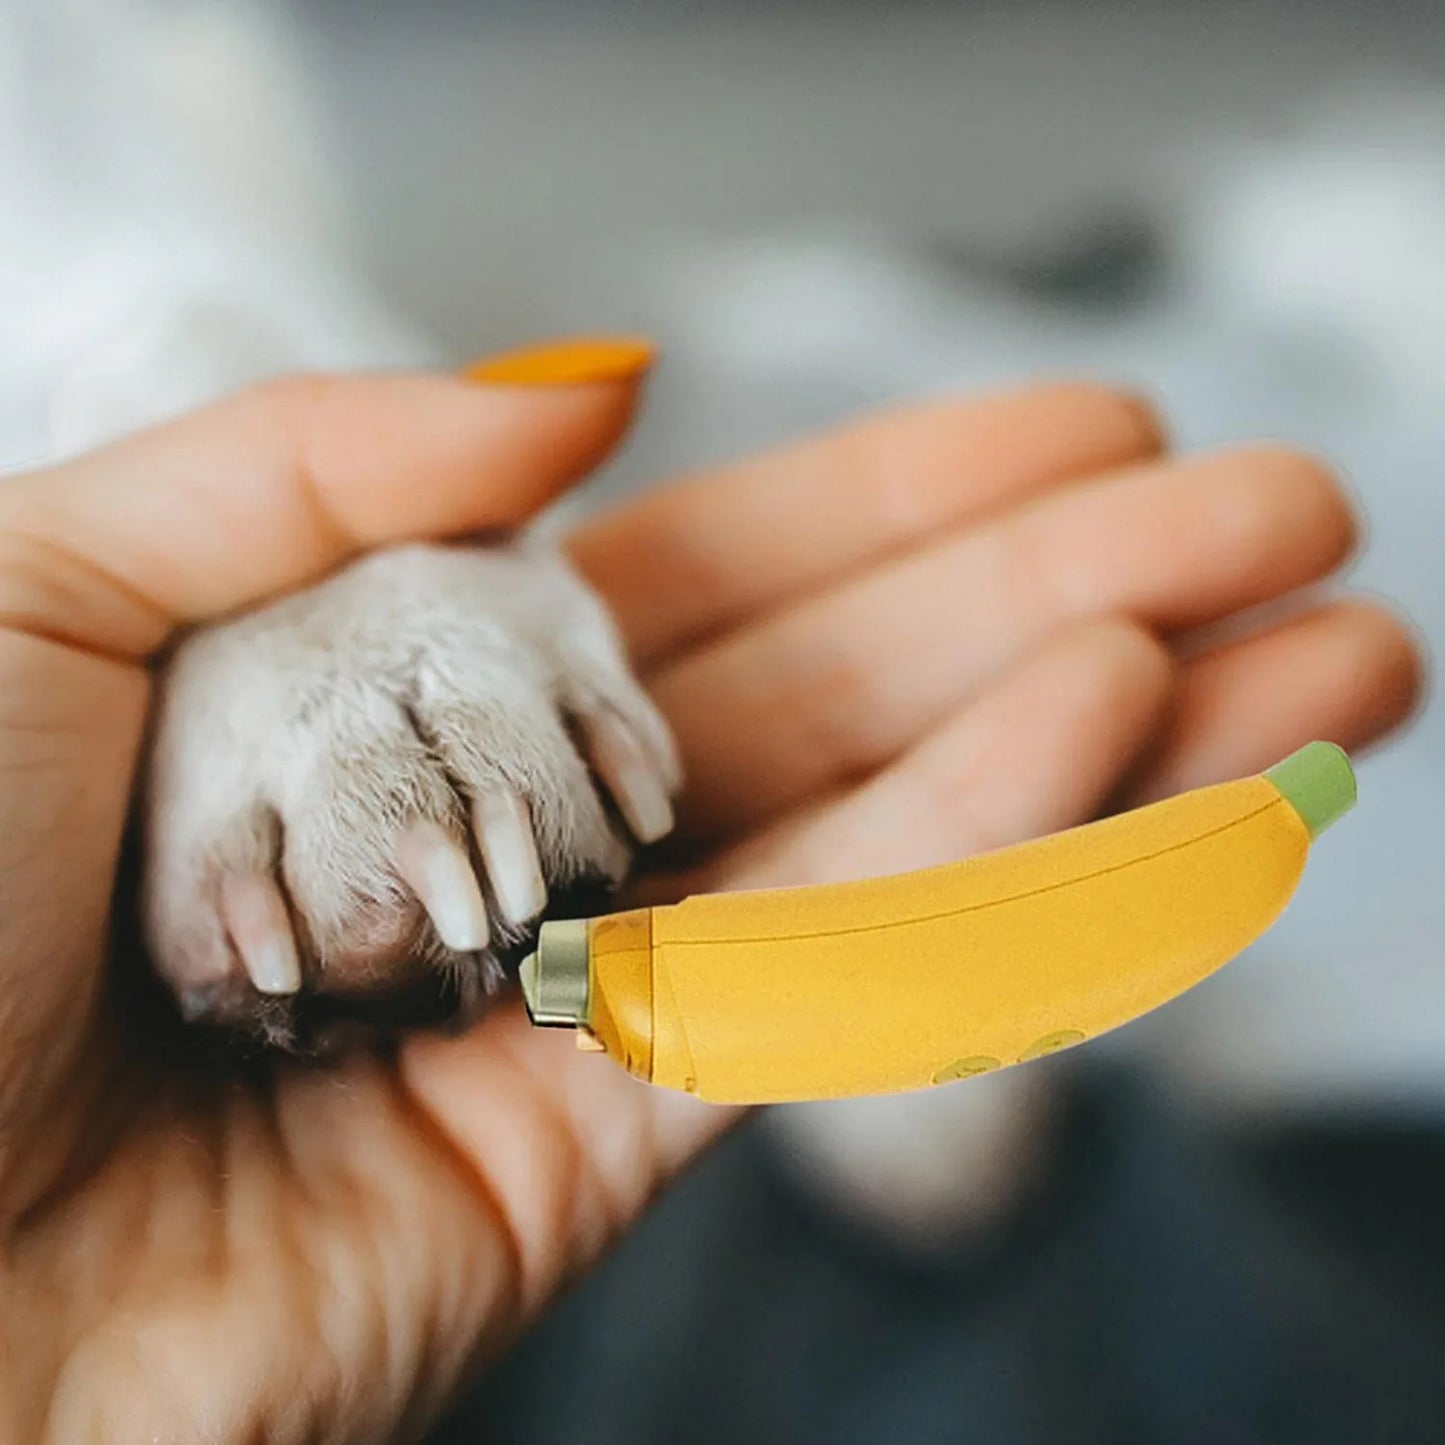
(936, 631)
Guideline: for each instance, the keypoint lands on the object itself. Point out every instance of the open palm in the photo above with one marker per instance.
(937, 631)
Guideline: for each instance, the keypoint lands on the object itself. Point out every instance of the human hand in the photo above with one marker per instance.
(928, 634)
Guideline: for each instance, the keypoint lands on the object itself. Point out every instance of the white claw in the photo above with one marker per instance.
(503, 828)
(632, 780)
(436, 868)
(255, 916)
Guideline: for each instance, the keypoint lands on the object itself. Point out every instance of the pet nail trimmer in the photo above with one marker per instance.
(896, 983)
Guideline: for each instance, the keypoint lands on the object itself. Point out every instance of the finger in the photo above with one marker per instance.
(277, 486)
(1349, 672)
(568, 1148)
(688, 560)
(846, 679)
(1038, 751)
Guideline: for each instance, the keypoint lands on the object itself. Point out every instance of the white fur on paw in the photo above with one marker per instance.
(381, 778)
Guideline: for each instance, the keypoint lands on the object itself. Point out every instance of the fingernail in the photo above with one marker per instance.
(503, 827)
(633, 782)
(574, 361)
(436, 868)
(256, 918)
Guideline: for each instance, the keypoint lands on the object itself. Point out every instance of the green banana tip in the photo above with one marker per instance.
(1318, 783)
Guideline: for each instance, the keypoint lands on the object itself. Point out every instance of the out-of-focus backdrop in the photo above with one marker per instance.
(818, 207)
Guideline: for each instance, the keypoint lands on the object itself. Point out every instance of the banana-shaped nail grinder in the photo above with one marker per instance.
(926, 977)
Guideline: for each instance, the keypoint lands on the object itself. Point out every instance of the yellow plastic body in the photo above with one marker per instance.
(897, 983)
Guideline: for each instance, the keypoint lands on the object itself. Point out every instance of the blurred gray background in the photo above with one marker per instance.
(490, 147)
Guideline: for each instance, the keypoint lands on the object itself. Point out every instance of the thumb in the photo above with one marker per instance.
(102, 558)
(284, 482)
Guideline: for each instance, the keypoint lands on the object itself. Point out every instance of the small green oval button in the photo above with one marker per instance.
(967, 1068)
(1051, 1044)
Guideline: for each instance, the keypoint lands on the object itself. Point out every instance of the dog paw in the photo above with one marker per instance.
(360, 798)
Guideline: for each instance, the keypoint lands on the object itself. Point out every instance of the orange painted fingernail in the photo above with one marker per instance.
(576, 361)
